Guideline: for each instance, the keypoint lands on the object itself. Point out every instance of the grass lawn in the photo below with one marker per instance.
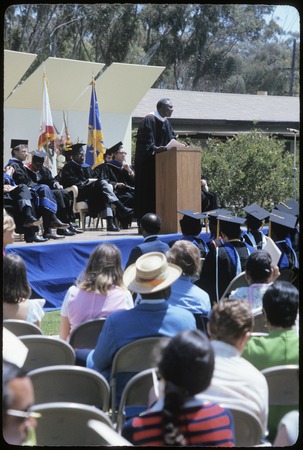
(50, 323)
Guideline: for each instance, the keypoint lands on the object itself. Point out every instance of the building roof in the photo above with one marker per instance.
(220, 108)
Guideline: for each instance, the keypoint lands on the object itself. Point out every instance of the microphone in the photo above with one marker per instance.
(293, 130)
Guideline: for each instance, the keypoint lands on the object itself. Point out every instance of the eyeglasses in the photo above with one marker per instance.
(23, 414)
(122, 153)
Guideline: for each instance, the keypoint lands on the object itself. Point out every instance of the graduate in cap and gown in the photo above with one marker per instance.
(224, 262)
(255, 216)
(280, 225)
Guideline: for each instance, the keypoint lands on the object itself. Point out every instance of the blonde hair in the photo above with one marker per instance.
(103, 270)
(8, 222)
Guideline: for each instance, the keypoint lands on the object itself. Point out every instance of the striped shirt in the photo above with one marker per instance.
(204, 424)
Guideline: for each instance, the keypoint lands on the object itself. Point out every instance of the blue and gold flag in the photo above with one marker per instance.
(95, 148)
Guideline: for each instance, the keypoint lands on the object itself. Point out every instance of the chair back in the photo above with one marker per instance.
(259, 322)
(283, 385)
(239, 281)
(21, 327)
(247, 427)
(46, 351)
(286, 275)
(110, 436)
(135, 396)
(70, 384)
(65, 424)
(133, 358)
(86, 334)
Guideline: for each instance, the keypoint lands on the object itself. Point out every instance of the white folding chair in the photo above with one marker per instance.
(21, 327)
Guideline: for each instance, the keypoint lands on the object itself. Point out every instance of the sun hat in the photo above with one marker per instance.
(151, 273)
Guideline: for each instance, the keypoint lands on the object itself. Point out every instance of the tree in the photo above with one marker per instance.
(249, 168)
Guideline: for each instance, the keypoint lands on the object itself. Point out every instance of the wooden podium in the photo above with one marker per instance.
(178, 185)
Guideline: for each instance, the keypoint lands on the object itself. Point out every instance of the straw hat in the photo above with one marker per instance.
(151, 273)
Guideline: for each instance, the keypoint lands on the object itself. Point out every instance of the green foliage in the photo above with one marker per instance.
(249, 168)
(50, 323)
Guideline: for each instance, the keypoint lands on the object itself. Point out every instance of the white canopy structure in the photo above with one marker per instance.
(119, 89)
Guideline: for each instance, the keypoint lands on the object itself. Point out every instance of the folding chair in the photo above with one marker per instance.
(21, 327)
(65, 424)
(70, 384)
(46, 351)
(239, 281)
(135, 396)
(259, 323)
(283, 385)
(247, 427)
(86, 334)
(131, 359)
(110, 436)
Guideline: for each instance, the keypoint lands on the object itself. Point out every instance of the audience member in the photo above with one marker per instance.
(179, 418)
(191, 227)
(223, 263)
(184, 293)
(259, 273)
(97, 193)
(107, 155)
(281, 346)
(40, 174)
(16, 292)
(288, 430)
(8, 230)
(149, 227)
(280, 226)
(120, 175)
(98, 292)
(255, 215)
(235, 380)
(151, 276)
(17, 399)
(154, 133)
(44, 200)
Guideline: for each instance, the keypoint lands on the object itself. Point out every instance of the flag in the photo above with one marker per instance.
(47, 130)
(95, 148)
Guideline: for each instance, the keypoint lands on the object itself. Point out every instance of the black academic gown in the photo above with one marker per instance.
(73, 173)
(152, 133)
(114, 173)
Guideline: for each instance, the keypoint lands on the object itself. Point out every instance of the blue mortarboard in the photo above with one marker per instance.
(290, 206)
(231, 219)
(39, 153)
(192, 214)
(256, 211)
(214, 213)
(282, 218)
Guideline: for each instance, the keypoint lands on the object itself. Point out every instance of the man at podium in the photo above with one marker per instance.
(154, 133)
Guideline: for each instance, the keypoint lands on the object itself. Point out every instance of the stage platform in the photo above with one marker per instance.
(53, 266)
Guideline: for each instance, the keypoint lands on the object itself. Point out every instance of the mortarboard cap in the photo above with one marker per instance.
(115, 148)
(290, 206)
(256, 211)
(16, 142)
(108, 152)
(231, 219)
(39, 153)
(282, 218)
(214, 213)
(192, 214)
(76, 148)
